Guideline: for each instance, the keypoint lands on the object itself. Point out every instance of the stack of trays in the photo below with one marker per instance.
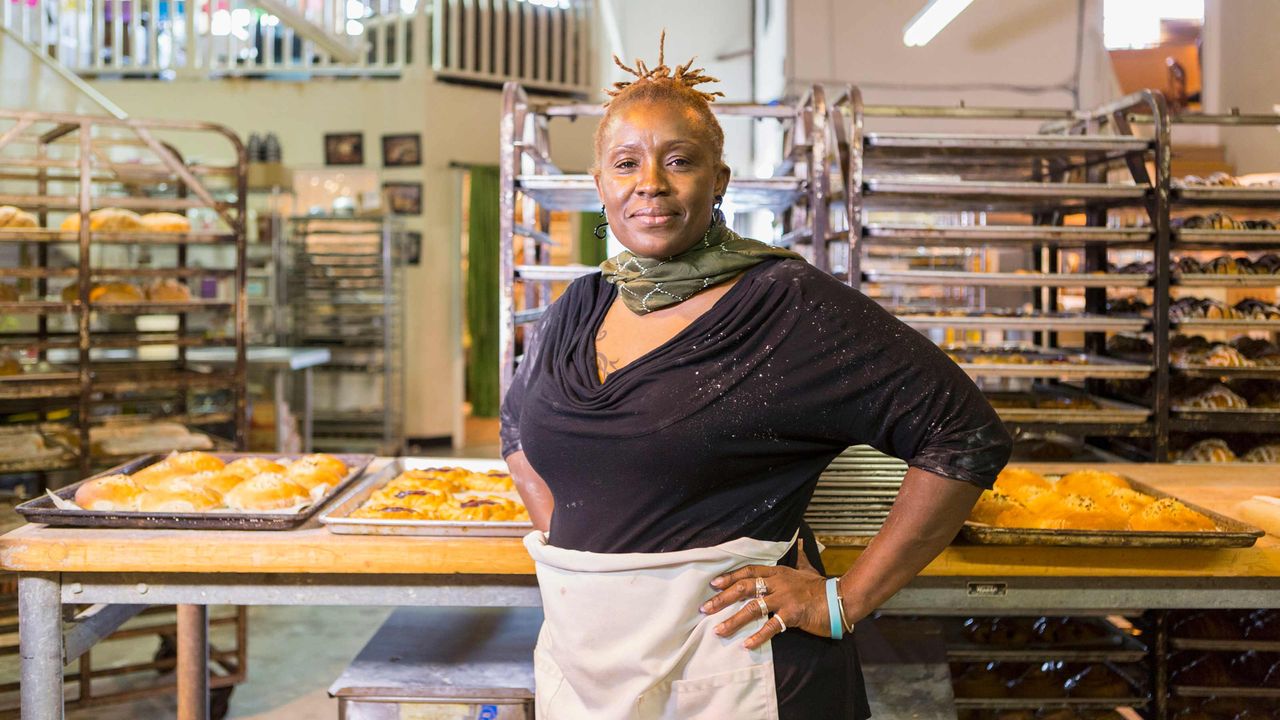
(855, 492)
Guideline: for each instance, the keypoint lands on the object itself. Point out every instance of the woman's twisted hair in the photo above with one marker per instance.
(664, 84)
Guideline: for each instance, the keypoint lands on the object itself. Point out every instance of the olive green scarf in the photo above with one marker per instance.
(648, 284)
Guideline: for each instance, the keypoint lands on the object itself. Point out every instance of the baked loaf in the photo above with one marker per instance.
(178, 498)
(112, 492)
(106, 220)
(177, 464)
(247, 467)
(1212, 450)
(12, 217)
(265, 493)
(1167, 514)
(165, 222)
(168, 290)
(1269, 453)
(116, 292)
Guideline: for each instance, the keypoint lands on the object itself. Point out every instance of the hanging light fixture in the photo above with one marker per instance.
(930, 21)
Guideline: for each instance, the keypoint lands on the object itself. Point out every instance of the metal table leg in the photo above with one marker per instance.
(307, 391)
(193, 662)
(277, 377)
(40, 644)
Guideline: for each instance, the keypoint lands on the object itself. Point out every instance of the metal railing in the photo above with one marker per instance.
(545, 45)
(166, 38)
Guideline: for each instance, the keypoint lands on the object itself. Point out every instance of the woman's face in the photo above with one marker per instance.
(658, 178)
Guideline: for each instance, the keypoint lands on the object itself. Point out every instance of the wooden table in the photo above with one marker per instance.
(127, 569)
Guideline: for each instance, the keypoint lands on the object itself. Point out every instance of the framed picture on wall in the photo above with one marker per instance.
(402, 150)
(403, 198)
(344, 148)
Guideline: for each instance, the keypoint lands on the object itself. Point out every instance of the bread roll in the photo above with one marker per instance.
(168, 290)
(390, 512)
(112, 492)
(165, 222)
(247, 467)
(105, 220)
(177, 465)
(1092, 483)
(326, 460)
(12, 217)
(177, 497)
(116, 292)
(989, 507)
(219, 481)
(493, 481)
(1169, 515)
(265, 492)
(9, 293)
(1012, 478)
(312, 476)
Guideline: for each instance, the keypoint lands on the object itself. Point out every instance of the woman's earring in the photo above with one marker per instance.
(600, 232)
(717, 215)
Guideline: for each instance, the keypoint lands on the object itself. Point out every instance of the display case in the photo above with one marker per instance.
(346, 294)
(119, 257)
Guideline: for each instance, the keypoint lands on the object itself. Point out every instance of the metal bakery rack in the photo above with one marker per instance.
(347, 295)
(1031, 222)
(82, 363)
(532, 187)
(1184, 200)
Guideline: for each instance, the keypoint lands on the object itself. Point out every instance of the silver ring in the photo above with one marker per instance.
(761, 588)
(781, 624)
(763, 607)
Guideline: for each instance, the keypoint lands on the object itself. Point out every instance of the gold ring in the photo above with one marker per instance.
(763, 607)
(761, 588)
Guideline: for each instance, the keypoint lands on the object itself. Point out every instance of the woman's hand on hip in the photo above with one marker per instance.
(797, 597)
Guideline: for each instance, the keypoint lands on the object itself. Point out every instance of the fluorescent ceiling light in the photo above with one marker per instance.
(930, 21)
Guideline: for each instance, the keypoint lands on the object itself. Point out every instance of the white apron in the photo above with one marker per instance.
(623, 637)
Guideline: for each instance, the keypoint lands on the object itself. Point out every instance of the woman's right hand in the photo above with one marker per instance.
(533, 490)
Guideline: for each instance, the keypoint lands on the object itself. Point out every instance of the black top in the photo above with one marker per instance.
(722, 431)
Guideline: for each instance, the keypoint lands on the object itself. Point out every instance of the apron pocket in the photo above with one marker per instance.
(547, 683)
(744, 694)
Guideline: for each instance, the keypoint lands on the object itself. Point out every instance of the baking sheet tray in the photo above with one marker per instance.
(1215, 371)
(1241, 645)
(1238, 325)
(1077, 366)
(42, 509)
(965, 235)
(1238, 692)
(1109, 323)
(1227, 195)
(338, 519)
(1199, 280)
(1109, 411)
(1232, 533)
(1213, 238)
(994, 279)
(1116, 647)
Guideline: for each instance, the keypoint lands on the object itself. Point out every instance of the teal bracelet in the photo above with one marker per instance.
(834, 610)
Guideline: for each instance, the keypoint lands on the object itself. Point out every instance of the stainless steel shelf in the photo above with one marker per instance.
(1215, 239)
(40, 235)
(1065, 236)
(1256, 372)
(1227, 196)
(930, 145)
(1228, 325)
(1213, 280)
(149, 307)
(1094, 367)
(1028, 323)
(554, 273)
(924, 193)
(578, 192)
(1027, 280)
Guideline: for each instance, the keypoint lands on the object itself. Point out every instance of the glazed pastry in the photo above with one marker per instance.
(1169, 515)
(1261, 224)
(1269, 453)
(165, 222)
(1077, 512)
(1222, 265)
(219, 481)
(325, 460)
(168, 290)
(1190, 266)
(989, 507)
(106, 220)
(112, 492)
(1216, 397)
(177, 464)
(1257, 310)
(449, 494)
(312, 476)
(388, 512)
(1213, 450)
(1267, 264)
(12, 217)
(1223, 356)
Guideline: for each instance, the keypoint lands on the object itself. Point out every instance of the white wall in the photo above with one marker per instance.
(1004, 54)
(1241, 65)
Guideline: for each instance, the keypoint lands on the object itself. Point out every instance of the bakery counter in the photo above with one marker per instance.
(310, 566)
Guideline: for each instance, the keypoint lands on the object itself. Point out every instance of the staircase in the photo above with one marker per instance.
(544, 44)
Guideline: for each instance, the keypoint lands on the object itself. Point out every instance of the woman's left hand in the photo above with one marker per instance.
(796, 596)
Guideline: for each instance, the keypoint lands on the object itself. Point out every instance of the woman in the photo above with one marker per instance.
(667, 428)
